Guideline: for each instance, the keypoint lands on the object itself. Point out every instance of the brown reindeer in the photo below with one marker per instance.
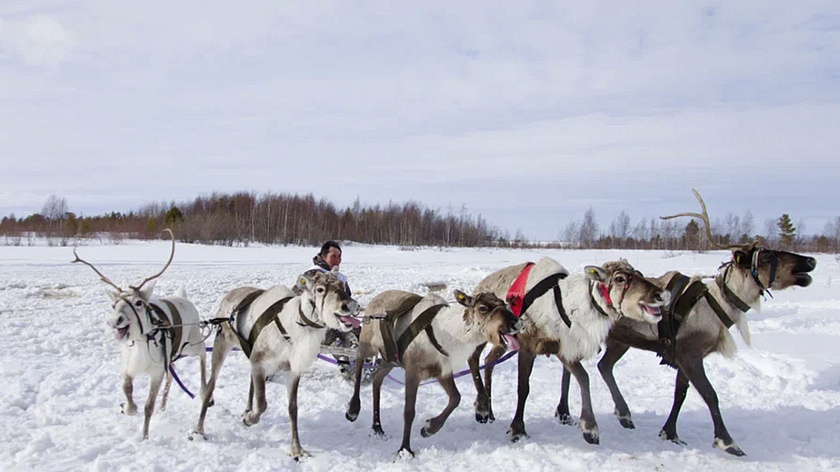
(429, 339)
(566, 316)
(697, 324)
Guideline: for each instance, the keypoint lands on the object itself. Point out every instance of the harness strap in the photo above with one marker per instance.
(541, 288)
(721, 313)
(307, 321)
(266, 317)
(514, 297)
(237, 310)
(729, 295)
(668, 326)
(174, 327)
(390, 351)
(594, 302)
(423, 322)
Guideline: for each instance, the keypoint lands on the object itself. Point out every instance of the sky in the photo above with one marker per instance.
(527, 113)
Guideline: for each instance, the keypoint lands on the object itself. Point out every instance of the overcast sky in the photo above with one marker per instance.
(528, 113)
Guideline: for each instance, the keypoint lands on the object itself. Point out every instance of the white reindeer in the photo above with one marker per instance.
(278, 331)
(153, 332)
(429, 339)
(570, 317)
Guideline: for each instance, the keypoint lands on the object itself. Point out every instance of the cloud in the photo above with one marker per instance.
(36, 40)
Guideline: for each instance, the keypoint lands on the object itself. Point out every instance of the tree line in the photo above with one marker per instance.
(243, 218)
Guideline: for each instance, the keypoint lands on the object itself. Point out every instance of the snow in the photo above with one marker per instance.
(60, 386)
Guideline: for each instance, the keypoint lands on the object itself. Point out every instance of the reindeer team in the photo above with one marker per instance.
(533, 308)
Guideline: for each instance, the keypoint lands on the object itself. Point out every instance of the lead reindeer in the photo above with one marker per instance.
(567, 316)
(697, 324)
(152, 332)
(429, 339)
(278, 331)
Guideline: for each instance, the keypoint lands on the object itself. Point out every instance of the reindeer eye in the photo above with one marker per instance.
(138, 303)
(483, 309)
(619, 279)
(320, 289)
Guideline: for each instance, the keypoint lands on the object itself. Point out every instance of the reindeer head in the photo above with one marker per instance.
(492, 316)
(131, 318)
(772, 269)
(332, 306)
(769, 268)
(626, 292)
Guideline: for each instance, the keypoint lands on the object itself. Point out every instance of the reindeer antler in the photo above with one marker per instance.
(171, 255)
(101, 277)
(705, 217)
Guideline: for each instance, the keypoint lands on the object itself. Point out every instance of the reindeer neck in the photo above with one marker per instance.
(738, 289)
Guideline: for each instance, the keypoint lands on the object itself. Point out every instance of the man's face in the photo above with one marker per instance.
(333, 257)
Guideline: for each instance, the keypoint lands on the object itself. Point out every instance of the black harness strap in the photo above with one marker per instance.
(173, 329)
(729, 295)
(683, 298)
(667, 325)
(721, 313)
(266, 317)
(540, 289)
(390, 351)
(306, 320)
(423, 322)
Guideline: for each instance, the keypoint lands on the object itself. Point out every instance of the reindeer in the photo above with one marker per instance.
(429, 339)
(571, 323)
(153, 332)
(278, 331)
(697, 324)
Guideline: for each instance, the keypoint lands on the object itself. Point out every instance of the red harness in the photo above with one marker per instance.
(516, 292)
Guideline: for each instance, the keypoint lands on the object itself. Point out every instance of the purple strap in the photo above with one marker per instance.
(367, 364)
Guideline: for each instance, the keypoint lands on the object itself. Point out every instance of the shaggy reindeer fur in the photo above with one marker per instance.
(323, 301)
(458, 328)
(702, 333)
(147, 350)
(633, 296)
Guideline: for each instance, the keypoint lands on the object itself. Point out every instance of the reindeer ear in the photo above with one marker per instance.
(463, 299)
(146, 291)
(741, 258)
(596, 273)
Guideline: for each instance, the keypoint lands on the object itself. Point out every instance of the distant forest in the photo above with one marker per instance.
(243, 218)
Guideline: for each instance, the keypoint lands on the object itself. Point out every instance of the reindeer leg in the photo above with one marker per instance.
(378, 378)
(166, 388)
(433, 425)
(292, 383)
(355, 404)
(669, 430)
(154, 389)
(526, 365)
(220, 352)
(615, 351)
(490, 361)
(697, 375)
(587, 422)
(258, 377)
(129, 407)
(562, 411)
(482, 398)
(412, 382)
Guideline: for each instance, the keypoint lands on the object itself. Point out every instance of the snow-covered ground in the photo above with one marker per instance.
(60, 386)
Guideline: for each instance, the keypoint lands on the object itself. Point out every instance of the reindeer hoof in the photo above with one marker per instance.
(590, 433)
(564, 418)
(299, 454)
(591, 438)
(405, 453)
(351, 417)
(378, 431)
(516, 436)
(197, 434)
(671, 437)
(730, 448)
